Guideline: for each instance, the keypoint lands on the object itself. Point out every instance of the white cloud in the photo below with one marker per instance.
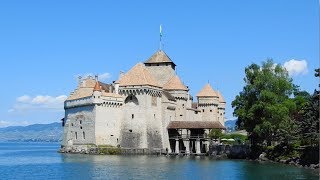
(13, 123)
(4, 123)
(39, 102)
(102, 77)
(23, 98)
(296, 67)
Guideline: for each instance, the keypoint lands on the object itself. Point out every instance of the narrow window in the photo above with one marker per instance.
(80, 127)
(130, 130)
(210, 110)
(84, 135)
(80, 122)
(181, 115)
(71, 124)
(76, 134)
(202, 110)
(154, 116)
(132, 116)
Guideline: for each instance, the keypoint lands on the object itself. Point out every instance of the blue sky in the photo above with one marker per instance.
(44, 45)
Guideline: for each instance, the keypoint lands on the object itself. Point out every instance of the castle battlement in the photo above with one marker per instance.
(148, 107)
(85, 101)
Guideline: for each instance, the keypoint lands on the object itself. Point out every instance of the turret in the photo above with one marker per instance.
(178, 90)
(221, 108)
(208, 102)
(97, 89)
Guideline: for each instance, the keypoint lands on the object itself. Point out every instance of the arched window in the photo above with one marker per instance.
(131, 99)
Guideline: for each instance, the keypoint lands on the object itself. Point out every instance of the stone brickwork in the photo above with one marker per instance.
(135, 112)
(163, 73)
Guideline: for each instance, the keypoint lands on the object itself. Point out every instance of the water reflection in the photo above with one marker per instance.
(34, 161)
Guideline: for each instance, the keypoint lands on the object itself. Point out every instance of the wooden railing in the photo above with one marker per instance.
(188, 136)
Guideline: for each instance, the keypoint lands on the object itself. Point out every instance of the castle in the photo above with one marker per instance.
(148, 108)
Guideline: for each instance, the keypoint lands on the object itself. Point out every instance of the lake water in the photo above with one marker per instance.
(41, 161)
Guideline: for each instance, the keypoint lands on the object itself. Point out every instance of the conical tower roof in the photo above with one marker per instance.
(159, 57)
(207, 91)
(221, 99)
(97, 86)
(138, 75)
(175, 84)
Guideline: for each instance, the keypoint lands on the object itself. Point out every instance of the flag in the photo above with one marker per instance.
(160, 31)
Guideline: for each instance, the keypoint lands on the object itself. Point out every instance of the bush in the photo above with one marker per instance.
(239, 138)
(108, 149)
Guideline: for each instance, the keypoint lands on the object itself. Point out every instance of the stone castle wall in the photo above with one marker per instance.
(108, 123)
(79, 126)
(141, 124)
(163, 73)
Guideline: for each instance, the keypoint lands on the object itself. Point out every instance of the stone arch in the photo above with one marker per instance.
(131, 99)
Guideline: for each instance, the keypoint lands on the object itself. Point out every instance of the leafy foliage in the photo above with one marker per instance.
(215, 133)
(309, 125)
(264, 106)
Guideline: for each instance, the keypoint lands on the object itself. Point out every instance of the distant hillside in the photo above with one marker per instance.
(230, 125)
(36, 132)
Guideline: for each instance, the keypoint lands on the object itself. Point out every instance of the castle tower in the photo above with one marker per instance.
(97, 90)
(161, 67)
(141, 123)
(221, 108)
(208, 102)
(178, 90)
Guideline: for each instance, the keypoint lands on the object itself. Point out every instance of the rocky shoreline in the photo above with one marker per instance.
(290, 161)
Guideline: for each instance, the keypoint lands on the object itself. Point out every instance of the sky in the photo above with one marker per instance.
(45, 45)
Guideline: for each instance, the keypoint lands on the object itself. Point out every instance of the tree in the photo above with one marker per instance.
(309, 123)
(215, 133)
(263, 107)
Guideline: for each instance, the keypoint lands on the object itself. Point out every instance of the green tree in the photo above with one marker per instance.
(309, 122)
(215, 133)
(263, 107)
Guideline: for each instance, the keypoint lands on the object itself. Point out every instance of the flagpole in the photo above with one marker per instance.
(160, 43)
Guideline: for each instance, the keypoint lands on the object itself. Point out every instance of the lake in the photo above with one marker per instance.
(41, 161)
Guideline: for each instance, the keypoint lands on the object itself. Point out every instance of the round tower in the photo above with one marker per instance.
(208, 102)
(178, 90)
(221, 108)
(97, 89)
